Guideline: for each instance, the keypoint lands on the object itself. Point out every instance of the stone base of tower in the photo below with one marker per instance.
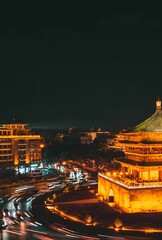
(130, 200)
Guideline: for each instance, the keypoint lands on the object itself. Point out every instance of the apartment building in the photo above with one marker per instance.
(19, 147)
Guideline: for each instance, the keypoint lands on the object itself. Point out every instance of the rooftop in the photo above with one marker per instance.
(151, 124)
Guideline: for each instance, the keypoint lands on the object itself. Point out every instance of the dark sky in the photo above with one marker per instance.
(80, 63)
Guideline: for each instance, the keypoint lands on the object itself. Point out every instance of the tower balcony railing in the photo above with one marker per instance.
(129, 183)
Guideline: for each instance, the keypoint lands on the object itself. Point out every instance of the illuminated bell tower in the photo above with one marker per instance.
(137, 183)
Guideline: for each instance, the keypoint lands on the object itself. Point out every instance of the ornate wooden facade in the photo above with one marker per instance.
(137, 184)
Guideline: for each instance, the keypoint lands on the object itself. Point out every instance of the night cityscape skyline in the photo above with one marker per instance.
(81, 120)
(80, 65)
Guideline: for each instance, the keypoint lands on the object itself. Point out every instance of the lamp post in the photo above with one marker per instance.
(31, 151)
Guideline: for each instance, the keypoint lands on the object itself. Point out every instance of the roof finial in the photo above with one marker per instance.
(158, 105)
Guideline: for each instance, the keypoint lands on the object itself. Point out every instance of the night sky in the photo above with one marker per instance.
(80, 63)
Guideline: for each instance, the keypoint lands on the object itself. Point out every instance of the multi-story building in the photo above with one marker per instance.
(136, 185)
(19, 147)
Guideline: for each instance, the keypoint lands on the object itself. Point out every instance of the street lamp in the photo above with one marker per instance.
(31, 151)
(41, 145)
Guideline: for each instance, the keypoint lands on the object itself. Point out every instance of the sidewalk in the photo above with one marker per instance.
(84, 201)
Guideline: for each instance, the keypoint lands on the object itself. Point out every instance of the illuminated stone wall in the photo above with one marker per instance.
(130, 200)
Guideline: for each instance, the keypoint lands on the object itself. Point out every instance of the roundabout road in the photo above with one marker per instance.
(63, 224)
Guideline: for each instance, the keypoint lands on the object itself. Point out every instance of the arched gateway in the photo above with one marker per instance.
(111, 196)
